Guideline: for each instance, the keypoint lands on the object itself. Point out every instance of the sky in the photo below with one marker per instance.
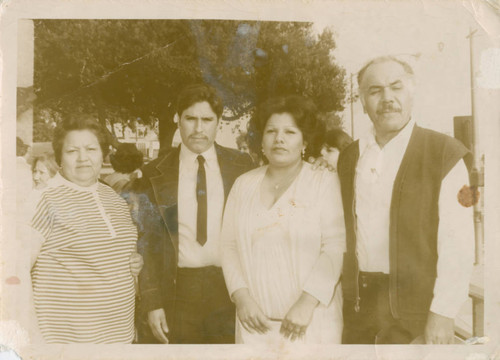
(432, 38)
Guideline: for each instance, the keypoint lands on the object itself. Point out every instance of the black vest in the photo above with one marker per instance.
(414, 219)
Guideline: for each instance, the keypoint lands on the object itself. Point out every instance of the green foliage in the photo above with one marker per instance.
(122, 70)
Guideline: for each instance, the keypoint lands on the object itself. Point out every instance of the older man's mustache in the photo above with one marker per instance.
(388, 109)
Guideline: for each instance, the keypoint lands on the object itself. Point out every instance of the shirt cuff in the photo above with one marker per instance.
(447, 307)
(320, 290)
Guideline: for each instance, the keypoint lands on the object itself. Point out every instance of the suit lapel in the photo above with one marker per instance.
(165, 187)
(225, 171)
(231, 166)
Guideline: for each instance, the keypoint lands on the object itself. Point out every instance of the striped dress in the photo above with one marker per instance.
(82, 284)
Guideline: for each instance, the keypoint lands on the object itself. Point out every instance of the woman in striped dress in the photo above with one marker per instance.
(83, 287)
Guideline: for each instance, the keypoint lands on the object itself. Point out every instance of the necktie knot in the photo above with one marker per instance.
(201, 160)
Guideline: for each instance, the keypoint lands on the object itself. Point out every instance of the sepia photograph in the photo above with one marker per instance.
(250, 179)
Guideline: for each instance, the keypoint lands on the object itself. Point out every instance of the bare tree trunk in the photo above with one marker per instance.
(101, 115)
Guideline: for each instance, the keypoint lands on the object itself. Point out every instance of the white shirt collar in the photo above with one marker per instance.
(58, 179)
(400, 140)
(188, 157)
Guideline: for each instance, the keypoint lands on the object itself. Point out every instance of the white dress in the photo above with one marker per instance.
(296, 245)
(274, 284)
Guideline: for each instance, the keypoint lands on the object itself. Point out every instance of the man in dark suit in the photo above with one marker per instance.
(182, 198)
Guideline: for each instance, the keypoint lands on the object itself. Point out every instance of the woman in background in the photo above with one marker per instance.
(283, 235)
(44, 168)
(83, 286)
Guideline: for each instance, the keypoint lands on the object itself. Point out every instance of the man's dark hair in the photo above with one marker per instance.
(337, 138)
(196, 93)
(126, 159)
(79, 122)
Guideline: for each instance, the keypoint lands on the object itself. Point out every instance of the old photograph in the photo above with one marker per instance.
(239, 179)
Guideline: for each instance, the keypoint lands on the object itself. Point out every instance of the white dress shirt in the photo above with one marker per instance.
(191, 253)
(375, 175)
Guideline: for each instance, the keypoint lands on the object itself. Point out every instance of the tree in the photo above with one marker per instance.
(133, 69)
(116, 69)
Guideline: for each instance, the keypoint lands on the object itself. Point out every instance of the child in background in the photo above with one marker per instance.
(336, 140)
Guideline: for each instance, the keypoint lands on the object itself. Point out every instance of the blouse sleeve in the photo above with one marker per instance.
(42, 218)
(40, 227)
(323, 278)
(231, 264)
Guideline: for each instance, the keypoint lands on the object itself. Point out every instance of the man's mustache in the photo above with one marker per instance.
(388, 108)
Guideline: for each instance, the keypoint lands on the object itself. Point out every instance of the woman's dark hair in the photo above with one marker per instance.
(21, 147)
(302, 110)
(49, 162)
(196, 93)
(79, 122)
(337, 138)
(126, 159)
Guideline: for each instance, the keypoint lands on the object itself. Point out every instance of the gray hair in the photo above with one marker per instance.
(382, 59)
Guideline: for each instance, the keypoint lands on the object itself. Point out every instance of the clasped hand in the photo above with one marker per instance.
(293, 326)
(298, 318)
(249, 312)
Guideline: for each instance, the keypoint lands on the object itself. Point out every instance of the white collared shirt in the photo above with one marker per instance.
(375, 175)
(191, 253)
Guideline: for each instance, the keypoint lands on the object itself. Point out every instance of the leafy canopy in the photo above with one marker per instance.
(123, 70)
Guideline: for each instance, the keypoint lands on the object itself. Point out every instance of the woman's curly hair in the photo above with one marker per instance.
(304, 113)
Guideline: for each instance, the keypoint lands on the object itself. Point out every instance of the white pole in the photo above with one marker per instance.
(352, 109)
(477, 173)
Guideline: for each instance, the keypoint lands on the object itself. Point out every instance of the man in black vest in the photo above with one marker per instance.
(183, 294)
(410, 244)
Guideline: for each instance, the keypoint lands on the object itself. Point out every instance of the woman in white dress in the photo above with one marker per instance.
(283, 235)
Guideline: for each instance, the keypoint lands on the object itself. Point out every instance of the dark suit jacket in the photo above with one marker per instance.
(158, 225)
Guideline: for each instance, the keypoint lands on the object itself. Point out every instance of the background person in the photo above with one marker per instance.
(83, 239)
(336, 140)
(283, 235)
(410, 243)
(126, 162)
(23, 172)
(44, 168)
(243, 146)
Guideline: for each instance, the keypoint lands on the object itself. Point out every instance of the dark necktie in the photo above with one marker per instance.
(201, 197)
